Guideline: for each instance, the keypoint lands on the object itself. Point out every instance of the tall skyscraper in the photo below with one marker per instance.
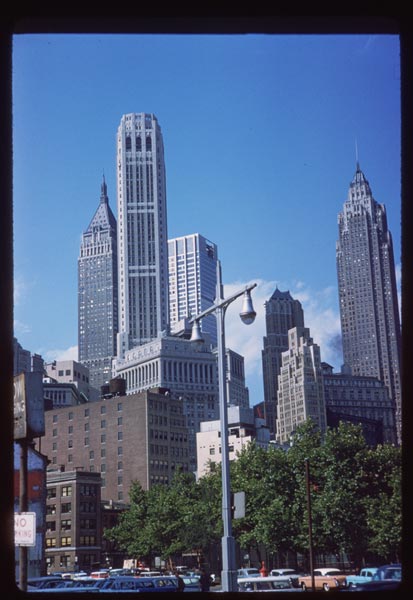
(370, 323)
(192, 280)
(300, 385)
(282, 313)
(142, 231)
(98, 293)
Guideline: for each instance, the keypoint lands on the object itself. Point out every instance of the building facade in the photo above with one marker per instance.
(73, 520)
(369, 312)
(139, 437)
(237, 392)
(98, 293)
(243, 428)
(363, 400)
(22, 359)
(300, 386)
(192, 261)
(71, 371)
(142, 231)
(282, 313)
(189, 371)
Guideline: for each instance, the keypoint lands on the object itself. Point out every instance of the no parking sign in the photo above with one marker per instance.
(25, 529)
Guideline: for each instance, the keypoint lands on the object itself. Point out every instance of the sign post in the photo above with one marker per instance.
(25, 529)
(28, 403)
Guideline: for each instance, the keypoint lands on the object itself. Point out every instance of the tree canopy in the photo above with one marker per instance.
(355, 493)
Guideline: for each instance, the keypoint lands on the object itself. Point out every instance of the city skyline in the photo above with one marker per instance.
(260, 136)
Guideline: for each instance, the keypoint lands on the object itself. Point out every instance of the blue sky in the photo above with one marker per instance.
(260, 135)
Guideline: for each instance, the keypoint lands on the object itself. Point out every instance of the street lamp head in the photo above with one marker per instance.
(196, 333)
(248, 313)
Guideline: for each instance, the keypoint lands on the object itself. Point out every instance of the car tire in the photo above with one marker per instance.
(303, 587)
(326, 587)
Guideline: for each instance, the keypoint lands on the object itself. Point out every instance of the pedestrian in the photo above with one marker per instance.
(263, 570)
(181, 582)
(205, 581)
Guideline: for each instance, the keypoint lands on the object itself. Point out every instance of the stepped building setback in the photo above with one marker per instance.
(369, 311)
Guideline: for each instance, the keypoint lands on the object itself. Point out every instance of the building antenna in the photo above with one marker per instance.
(357, 155)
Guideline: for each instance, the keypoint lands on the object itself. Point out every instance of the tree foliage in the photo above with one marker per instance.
(355, 494)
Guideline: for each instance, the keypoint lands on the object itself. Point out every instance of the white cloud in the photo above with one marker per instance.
(20, 328)
(321, 316)
(70, 353)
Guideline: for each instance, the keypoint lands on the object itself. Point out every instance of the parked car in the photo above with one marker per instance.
(250, 572)
(48, 581)
(192, 584)
(162, 583)
(265, 584)
(291, 573)
(325, 579)
(387, 577)
(366, 574)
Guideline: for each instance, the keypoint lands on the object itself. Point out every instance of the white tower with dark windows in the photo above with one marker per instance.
(193, 280)
(370, 324)
(142, 231)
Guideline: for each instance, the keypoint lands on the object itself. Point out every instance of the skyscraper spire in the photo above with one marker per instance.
(103, 191)
(357, 157)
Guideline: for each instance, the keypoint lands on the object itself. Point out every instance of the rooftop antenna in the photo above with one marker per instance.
(357, 156)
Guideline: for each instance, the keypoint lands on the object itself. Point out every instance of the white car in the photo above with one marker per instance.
(291, 573)
(265, 584)
(250, 572)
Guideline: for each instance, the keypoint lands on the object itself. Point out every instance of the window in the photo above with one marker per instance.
(87, 540)
(66, 507)
(66, 524)
(66, 490)
(66, 541)
(50, 542)
(51, 493)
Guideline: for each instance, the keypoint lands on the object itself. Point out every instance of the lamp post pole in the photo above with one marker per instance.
(229, 571)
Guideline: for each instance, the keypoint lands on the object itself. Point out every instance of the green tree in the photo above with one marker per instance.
(383, 499)
(129, 534)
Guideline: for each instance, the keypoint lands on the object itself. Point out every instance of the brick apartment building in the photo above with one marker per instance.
(140, 437)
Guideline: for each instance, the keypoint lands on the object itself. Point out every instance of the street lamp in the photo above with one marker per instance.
(229, 572)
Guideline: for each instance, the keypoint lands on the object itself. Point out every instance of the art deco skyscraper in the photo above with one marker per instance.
(282, 313)
(300, 385)
(369, 311)
(193, 280)
(142, 231)
(98, 293)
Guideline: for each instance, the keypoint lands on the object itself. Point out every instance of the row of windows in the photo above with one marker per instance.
(84, 540)
(70, 414)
